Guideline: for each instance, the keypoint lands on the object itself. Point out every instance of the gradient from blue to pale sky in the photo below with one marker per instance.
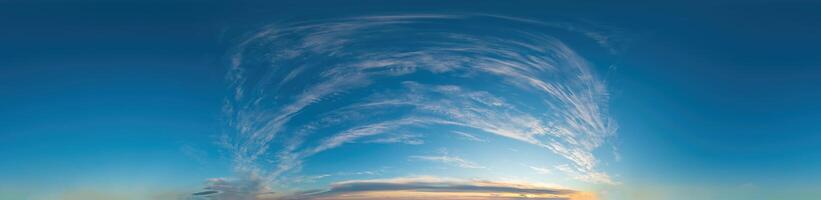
(713, 100)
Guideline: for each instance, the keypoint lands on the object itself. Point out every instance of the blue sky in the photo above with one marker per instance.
(709, 100)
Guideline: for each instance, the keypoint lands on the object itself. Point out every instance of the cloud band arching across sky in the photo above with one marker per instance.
(301, 89)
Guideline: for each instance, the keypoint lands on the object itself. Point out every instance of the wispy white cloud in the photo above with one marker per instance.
(590, 177)
(371, 129)
(540, 170)
(310, 178)
(450, 160)
(469, 136)
(577, 140)
(551, 99)
(412, 139)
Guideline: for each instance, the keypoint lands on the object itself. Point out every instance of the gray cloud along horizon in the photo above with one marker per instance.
(303, 88)
(433, 187)
(439, 188)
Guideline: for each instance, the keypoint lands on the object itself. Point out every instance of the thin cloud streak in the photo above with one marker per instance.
(540, 170)
(411, 139)
(469, 136)
(450, 160)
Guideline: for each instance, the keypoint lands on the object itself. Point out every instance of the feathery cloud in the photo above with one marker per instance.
(285, 109)
(469, 136)
(450, 160)
(412, 139)
(540, 170)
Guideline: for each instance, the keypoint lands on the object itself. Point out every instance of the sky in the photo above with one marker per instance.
(410, 100)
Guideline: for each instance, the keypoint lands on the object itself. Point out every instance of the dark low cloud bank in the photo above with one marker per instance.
(433, 185)
(221, 189)
(438, 187)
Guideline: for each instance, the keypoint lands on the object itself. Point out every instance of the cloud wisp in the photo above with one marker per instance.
(305, 88)
(411, 139)
(450, 160)
(469, 136)
(540, 170)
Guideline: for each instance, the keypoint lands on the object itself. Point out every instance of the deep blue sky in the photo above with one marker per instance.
(706, 94)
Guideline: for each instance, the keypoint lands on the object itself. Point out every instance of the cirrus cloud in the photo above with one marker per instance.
(304, 88)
